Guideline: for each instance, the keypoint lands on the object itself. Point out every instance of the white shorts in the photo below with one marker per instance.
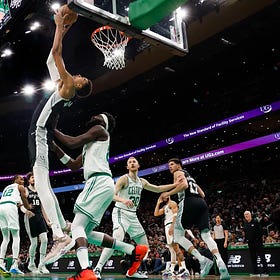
(9, 216)
(169, 238)
(128, 221)
(95, 198)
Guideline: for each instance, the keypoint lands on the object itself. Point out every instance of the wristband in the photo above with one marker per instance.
(65, 159)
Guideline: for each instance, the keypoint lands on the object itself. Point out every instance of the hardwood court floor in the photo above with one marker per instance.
(60, 276)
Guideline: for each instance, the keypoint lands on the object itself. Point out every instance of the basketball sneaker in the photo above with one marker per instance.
(137, 275)
(224, 275)
(32, 268)
(97, 273)
(4, 272)
(183, 273)
(16, 270)
(84, 274)
(166, 273)
(137, 256)
(42, 269)
(205, 267)
(61, 246)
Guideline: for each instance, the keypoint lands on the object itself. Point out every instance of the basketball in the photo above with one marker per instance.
(71, 16)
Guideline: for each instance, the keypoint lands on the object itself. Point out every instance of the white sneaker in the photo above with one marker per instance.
(60, 248)
(42, 269)
(224, 275)
(254, 275)
(97, 273)
(183, 273)
(16, 270)
(264, 275)
(32, 268)
(205, 267)
(166, 274)
(4, 272)
(137, 275)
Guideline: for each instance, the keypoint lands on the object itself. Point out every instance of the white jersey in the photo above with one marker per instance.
(51, 107)
(11, 194)
(96, 158)
(168, 218)
(132, 191)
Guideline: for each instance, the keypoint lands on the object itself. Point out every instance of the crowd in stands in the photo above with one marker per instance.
(230, 202)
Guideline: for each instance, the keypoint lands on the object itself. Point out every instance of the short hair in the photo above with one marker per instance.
(176, 160)
(16, 177)
(28, 175)
(86, 90)
(111, 121)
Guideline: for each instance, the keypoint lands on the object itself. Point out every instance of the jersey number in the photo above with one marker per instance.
(135, 200)
(35, 202)
(192, 185)
(8, 192)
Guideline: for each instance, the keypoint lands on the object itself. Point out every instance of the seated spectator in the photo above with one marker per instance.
(272, 237)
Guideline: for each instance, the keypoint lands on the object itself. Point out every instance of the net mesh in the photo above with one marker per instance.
(111, 42)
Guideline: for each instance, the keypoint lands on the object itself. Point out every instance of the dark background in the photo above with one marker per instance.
(231, 71)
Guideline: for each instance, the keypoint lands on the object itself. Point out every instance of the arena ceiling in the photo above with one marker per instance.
(232, 66)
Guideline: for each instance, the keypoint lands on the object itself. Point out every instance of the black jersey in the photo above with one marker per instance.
(192, 190)
(195, 210)
(34, 200)
(36, 224)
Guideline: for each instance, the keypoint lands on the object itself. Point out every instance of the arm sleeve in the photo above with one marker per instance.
(52, 68)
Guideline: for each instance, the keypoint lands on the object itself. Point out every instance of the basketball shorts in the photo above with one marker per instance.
(95, 198)
(9, 216)
(169, 238)
(127, 220)
(35, 225)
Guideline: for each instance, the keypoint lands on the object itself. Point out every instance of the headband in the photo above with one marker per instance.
(105, 118)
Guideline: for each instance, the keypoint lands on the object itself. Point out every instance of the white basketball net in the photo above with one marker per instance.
(112, 43)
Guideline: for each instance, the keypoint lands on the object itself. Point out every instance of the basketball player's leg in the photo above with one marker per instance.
(33, 244)
(203, 226)
(39, 142)
(5, 238)
(118, 233)
(4, 245)
(179, 237)
(42, 251)
(15, 251)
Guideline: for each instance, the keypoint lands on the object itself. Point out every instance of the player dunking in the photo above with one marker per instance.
(40, 133)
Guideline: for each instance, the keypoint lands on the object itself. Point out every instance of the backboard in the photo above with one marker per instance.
(169, 33)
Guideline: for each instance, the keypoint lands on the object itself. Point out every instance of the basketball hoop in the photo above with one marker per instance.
(112, 43)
